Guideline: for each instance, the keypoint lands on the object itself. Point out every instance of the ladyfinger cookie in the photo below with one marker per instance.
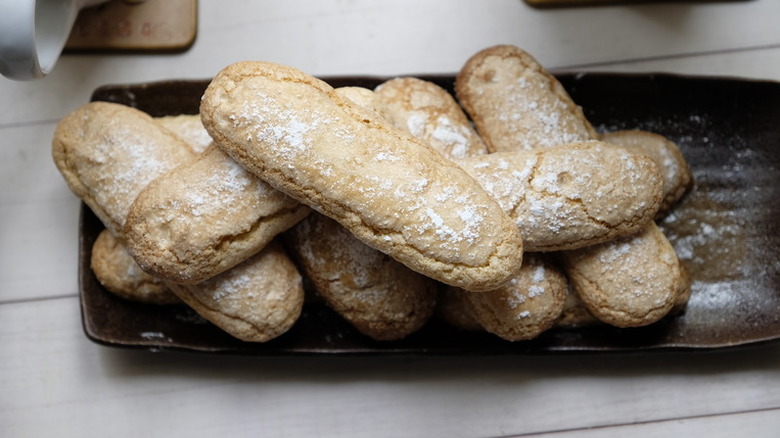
(108, 153)
(519, 310)
(118, 272)
(380, 297)
(575, 314)
(572, 195)
(389, 190)
(204, 217)
(516, 104)
(256, 301)
(677, 176)
(628, 282)
(430, 114)
(527, 305)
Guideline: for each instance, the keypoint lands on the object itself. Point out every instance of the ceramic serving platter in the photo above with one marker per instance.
(726, 231)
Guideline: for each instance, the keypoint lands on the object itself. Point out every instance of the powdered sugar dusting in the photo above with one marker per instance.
(415, 124)
(387, 156)
(231, 286)
(532, 116)
(215, 192)
(451, 138)
(155, 336)
(517, 297)
(390, 182)
(130, 160)
(507, 184)
(615, 252)
(538, 276)
(284, 129)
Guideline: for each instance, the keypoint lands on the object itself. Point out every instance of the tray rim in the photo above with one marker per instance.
(153, 346)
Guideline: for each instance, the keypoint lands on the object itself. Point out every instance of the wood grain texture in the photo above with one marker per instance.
(55, 381)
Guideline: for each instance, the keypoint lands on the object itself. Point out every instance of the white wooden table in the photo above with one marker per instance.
(54, 382)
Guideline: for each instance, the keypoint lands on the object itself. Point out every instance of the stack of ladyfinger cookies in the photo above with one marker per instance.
(499, 208)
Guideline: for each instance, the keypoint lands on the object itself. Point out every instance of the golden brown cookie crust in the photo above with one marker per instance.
(204, 217)
(380, 297)
(676, 174)
(365, 98)
(118, 272)
(528, 305)
(628, 282)
(516, 104)
(108, 153)
(574, 314)
(393, 193)
(573, 195)
(256, 301)
(429, 113)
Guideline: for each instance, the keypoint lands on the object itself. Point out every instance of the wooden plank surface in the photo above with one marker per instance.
(56, 382)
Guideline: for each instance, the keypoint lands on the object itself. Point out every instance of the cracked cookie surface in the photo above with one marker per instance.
(205, 217)
(527, 305)
(255, 301)
(380, 297)
(572, 195)
(189, 128)
(391, 191)
(628, 282)
(109, 152)
(430, 114)
(118, 272)
(516, 104)
(677, 175)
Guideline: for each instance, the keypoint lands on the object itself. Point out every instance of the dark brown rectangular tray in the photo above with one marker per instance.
(726, 231)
